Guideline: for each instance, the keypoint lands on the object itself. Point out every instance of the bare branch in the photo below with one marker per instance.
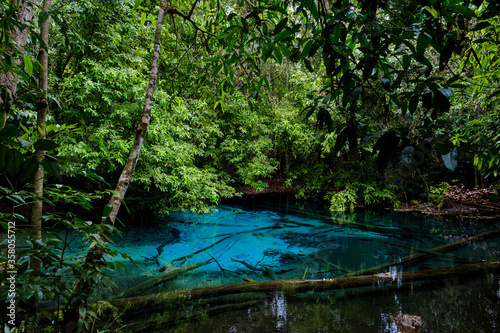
(171, 10)
(192, 8)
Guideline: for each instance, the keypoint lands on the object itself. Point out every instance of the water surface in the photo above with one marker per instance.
(266, 242)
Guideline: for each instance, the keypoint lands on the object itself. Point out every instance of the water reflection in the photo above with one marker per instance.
(300, 244)
(279, 310)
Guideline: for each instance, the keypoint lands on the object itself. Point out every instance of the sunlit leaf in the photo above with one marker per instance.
(432, 11)
(28, 64)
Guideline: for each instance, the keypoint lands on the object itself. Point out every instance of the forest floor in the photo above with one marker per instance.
(490, 210)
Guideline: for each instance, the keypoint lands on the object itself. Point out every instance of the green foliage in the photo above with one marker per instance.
(342, 200)
(437, 193)
(60, 265)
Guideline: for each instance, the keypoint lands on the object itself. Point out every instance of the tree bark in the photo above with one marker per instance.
(300, 286)
(94, 255)
(42, 106)
(19, 37)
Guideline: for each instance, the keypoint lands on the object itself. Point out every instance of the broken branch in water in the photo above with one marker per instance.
(164, 266)
(333, 265)
(159, 279)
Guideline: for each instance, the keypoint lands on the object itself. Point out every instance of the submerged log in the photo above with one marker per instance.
(434, 253)
(434, 250)
(159, 279)
(300, 286)
(165, 265)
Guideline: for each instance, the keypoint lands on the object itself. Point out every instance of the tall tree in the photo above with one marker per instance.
(42, 106)
(82, 286)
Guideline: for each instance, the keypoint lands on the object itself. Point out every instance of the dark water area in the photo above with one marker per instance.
(270, 239)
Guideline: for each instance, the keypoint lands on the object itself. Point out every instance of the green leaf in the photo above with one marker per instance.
(137, 3)
(278, 55)
(14, 161)
(446, 53)
(83, 311)
(9, 131)
(51, 167)
(216, 70)
(28, 64)
(335, 36)
(280, 26)
(413, 103)
(464, 10)
(386, 84)
(406, 62)
(107, 210)
(153, 20)
(29, 167)
(307, 48)
(450, 160)
(3, 156)
(446, 92)
(69, 159)
(496, 93)
(314, 11)
(286, 52)
(143, 18)
(432, 11)
(42, 17)
(387, 146)
(308, 65)
(421, 44)
(45, 144)
(480, 26)
(314, 48)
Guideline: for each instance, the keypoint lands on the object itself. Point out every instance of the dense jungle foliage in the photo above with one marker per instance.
(356, 102)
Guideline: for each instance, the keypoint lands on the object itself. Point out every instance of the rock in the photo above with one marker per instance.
(407, 323)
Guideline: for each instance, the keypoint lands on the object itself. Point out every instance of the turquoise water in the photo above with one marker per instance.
(267, 241)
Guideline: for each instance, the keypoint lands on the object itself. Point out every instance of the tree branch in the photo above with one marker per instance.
(172, 10)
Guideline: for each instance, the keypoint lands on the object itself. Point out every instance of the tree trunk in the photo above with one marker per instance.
(42, 105)
(94, 256)
(19, 37)
(301, 286)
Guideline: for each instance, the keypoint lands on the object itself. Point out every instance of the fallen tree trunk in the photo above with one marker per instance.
(159, 279)
(441, 248)
(299, 286)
